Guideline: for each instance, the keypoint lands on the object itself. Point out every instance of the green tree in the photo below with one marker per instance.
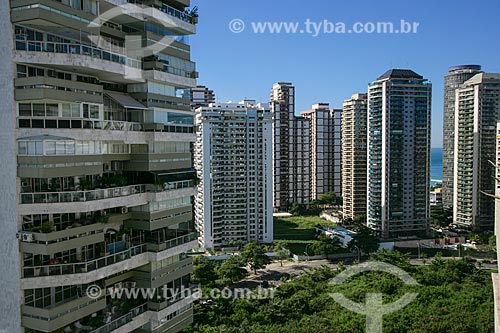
(254, 255)
(441, 216)
(232, 270)
(325, 245)
(204, 271)
(364, 240)
(282, 251)
(360, 220)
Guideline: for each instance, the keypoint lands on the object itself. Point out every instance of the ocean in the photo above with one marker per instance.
(436, 165)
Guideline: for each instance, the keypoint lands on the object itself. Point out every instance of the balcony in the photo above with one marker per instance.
(81, 196)
(123, 320)
(162, 246)
(89, 59)
(83, 267)
(51, 319)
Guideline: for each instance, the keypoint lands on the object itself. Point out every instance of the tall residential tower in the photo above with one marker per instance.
(455, 77)
(354, 154)
(291, 149)
(233, 160)
(477, 110)
(399, 122)
(325, 158)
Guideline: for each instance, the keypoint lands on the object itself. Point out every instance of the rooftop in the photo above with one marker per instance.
(400, 74)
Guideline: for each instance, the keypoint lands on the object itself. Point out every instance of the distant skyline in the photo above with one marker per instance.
(331, 67)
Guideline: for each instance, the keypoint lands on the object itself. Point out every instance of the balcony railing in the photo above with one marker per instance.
(65, 123)
(169, 10)
(77, 48)
(83, 267)
(113, 125)
(173, 242)
(81, 196)
(123, 320)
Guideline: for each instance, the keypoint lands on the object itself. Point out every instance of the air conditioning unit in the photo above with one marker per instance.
(25, 237)
(124, 210)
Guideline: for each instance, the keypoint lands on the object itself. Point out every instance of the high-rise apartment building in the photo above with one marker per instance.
(399, 117)
(234, 161)
(354, 155)
(105, 180)
(455, 77)
(325, 157)
(291, 149)
(201, 96)
(477, 110)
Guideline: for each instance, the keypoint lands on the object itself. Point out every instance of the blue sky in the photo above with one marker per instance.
(331, 67)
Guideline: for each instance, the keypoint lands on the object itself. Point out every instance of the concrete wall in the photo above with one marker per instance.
(10, 318)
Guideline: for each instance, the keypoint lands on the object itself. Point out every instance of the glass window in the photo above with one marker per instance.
(78, 148)
(31, 148)
(50, 148)
(25, 110)
(39, 148)
(23, 147)
(70, 148)
(39, 110)
(94, 111)
(52, 110)
(21, 71)
(86, 111)
(66, 110)
(60, 148)
(75, 110)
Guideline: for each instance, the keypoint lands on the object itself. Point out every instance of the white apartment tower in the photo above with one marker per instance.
(399, 117)
(233, 161)
(477, 110)
(354, 155)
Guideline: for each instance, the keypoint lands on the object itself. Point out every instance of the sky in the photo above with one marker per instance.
(331, 67)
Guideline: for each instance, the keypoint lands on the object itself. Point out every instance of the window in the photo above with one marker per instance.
(23, 148)
(39, 110)
(21, 71)
(50, 148)
(52, 110)
(25, 110)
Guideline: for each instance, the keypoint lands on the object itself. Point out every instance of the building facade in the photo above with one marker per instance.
(455, 77)
(399, 116)
(233, 160)
(105, 179)
(201, 96)
(291, 149)
(325, 157)
(354, 156)
(477, 110)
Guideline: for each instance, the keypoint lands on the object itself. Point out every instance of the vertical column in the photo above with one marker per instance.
(10, 319)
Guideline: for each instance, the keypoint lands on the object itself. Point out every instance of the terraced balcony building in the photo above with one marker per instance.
(105, 178)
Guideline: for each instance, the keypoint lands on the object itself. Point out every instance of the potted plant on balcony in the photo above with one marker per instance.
(47, 227)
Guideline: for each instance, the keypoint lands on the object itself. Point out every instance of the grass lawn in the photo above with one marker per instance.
(298, 227)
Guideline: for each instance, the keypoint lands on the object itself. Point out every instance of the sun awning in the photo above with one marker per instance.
(126, 101)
